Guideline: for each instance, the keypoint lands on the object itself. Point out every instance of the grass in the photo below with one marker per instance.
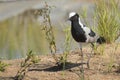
(30, 60)
(83, 15)
(3, 66)
(99, 50)
(112, 57)
(108, 17)
(24, 36)
(67, 46)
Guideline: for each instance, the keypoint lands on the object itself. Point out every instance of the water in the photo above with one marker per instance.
(16, 39)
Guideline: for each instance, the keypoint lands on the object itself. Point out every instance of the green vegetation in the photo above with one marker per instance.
(29, 61)
(67, 46)
(21, 33)
(108, 21)
(83, 15)
(2, 66)
(108, 17)
(99, 50)
(48, 29)
(112, 57)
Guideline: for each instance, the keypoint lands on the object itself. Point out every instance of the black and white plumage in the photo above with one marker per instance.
(81, 33)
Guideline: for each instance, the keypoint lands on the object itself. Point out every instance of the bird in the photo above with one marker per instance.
(83, 34)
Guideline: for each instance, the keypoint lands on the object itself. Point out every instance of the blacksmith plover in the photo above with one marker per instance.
(81, 33)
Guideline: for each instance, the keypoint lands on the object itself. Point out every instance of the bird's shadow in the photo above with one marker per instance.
(54, 68)
(13, 78)
(6, 78)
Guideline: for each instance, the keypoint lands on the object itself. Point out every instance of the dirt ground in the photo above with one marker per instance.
(104, 66)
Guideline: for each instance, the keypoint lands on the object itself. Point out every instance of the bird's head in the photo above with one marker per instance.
(73, 16)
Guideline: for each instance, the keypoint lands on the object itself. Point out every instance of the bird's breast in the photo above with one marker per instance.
(78, 35)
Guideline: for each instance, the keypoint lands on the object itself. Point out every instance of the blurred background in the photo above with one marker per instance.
(21, 29)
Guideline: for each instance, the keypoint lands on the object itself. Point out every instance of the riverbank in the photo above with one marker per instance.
(103, 66)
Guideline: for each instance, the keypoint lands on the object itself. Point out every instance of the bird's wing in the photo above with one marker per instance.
(92, 34)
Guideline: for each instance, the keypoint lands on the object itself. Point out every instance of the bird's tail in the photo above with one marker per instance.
(101, 40)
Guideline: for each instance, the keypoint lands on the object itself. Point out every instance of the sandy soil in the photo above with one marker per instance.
(104, 66)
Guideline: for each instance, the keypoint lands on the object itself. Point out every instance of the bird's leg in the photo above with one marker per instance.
(81, 52)
(89, 56)
(92, 49)
(80, 47)
(82, 68)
